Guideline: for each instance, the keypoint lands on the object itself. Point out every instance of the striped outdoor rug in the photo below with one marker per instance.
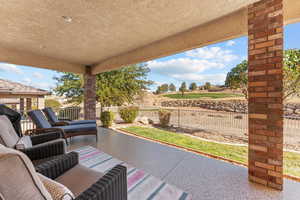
(141, 185)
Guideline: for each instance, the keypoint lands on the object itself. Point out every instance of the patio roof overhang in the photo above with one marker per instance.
(68, 35)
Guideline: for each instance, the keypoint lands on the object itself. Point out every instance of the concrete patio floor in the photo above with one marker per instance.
(204, 178)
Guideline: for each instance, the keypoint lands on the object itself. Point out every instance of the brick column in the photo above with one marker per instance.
(89, 95)
(265, 51)
(28, 104)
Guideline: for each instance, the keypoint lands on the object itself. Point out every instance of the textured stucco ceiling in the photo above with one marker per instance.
(68, 34)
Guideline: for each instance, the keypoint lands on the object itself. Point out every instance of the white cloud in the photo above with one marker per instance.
(183, 65)
(45, 86)
(194, 64)
(10, 68)
(27, 81)
(244, 58)
(217, 54)
(212, 78)
(41, 85)
(158, 83)
(230, 43)
(38, 75)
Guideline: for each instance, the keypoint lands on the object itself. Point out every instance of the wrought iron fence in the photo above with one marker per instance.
(26, 123)
(202, 120)
(225, 123)
(229, 124)
(70, 113)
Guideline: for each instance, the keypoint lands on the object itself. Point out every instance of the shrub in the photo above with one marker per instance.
(164, 117)
(54, 104)
(71, 113)
(107, 118)
(129, 114)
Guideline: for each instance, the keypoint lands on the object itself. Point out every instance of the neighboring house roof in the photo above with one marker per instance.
(13, 88)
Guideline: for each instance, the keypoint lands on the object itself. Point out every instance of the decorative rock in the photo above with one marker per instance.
(144, 120)
(150, 121)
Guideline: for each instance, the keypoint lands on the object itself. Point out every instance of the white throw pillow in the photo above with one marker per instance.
(57, 190)
(24, 142)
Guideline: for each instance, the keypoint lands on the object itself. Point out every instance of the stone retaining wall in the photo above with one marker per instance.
(292, 110)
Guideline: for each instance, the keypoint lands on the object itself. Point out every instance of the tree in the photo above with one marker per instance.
(172, 87)
(193, 86)
(158, 90)
(291, 73)
(238, 76)
(183, 88)
(54, 104)
(207, 86)
(162, 89)
(113, 88)
(70, 85)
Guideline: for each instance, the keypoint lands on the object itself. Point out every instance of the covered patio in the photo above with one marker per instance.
(90, 37)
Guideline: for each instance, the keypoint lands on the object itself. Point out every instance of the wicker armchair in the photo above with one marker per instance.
(25, 183)
(37, 147)
(111, 186)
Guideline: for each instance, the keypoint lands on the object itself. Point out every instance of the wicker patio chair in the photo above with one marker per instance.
(86, 183)
(37, 147)
(56, 179)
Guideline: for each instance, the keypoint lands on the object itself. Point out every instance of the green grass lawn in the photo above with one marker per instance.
(201, 95)
(232, 152)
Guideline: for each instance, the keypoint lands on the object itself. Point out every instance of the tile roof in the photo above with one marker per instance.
(9, 87)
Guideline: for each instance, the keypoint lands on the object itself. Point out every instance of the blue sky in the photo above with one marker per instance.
(200, 65)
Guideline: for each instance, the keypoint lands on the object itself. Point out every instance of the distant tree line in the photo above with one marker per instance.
(164, 88)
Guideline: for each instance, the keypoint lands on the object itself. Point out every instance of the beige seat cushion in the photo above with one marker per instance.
(79, 178)
(8, 134)
(18, 174)
(57, 190)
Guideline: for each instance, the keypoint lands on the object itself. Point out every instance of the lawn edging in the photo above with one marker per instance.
(199, 152)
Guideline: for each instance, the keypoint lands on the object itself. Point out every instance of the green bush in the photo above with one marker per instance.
(164, 117)
(54, 104)
(129, 114)
(71, 113)
(107, 118)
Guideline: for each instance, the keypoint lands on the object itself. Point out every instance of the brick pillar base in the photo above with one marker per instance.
(265, 51)
(89, 95)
